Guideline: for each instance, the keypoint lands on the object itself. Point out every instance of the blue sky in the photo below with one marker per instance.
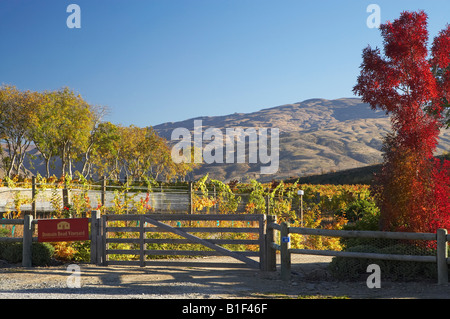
(156, 61)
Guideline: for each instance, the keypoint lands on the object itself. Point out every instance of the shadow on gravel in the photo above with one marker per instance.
(201, 279)
(161, 279)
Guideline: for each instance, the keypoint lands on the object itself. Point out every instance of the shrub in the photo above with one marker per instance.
(63, 251)
(4, 232)
(353, 268)
(368, 220)
(12, 253)
(2, 248)
(361, 209)
(83, 251)
(41, 253)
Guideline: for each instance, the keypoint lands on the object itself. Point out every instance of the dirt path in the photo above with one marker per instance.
(194, 279)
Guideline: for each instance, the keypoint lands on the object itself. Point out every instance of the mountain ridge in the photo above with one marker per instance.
(322, 116)
(316, 136)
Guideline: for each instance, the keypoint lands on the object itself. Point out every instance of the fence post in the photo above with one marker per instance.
(271, 253)
(27, 241)
(141, 241)
(262, 225)
(103, 191)
(125, 194)
(268, 204)
(66, 197)
(95, 225)
(285, 245)
(101, 242)
(441, 256)
(161, 199)
(33, 196)
(190, 198)
(215, 199)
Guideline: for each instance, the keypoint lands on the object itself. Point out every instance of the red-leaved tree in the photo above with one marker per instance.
(413, 187)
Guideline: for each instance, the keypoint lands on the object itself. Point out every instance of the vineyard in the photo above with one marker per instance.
(320, 206)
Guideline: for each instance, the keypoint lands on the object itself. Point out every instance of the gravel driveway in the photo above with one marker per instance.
(194, 279)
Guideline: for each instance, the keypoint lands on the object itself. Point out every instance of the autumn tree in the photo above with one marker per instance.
(103, 158)
(73, 123)
(98, 136)
(412, 88)
(16, 110)
(142, 152)
(159, 159)
(62, 125)
(43, 131)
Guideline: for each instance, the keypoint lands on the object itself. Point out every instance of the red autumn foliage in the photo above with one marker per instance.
(413, 188)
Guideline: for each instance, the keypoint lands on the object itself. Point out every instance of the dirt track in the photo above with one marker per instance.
(193, 279)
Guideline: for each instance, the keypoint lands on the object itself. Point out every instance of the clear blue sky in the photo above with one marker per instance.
(155, 61)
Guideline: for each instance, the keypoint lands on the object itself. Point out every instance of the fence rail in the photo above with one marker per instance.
(441, 237)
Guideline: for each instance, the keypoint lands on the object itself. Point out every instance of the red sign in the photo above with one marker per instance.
(68, 229)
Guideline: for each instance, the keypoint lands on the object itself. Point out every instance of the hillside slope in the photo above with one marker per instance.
(316, 136)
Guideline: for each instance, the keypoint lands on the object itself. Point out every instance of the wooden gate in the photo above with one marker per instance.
(129, 239)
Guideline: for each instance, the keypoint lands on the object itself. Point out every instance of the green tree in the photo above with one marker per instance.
(104, 153)
(143, 153)
(97, 137)
(43, 131)
(16, 109)
(74, 122)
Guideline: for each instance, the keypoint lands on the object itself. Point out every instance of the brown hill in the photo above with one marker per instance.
(316, 136)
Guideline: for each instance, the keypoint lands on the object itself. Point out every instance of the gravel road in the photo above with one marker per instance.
(194, 279)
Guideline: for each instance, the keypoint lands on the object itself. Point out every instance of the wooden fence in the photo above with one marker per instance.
(266, 242)
(441, 237)
(100, 239)
(27, 238)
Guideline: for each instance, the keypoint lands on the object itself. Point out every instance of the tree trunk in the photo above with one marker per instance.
(11, 165)
(47, 166)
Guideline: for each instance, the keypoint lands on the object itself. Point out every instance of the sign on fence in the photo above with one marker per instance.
(68, 229)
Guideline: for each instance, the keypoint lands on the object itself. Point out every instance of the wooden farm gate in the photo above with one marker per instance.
(139, 236)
